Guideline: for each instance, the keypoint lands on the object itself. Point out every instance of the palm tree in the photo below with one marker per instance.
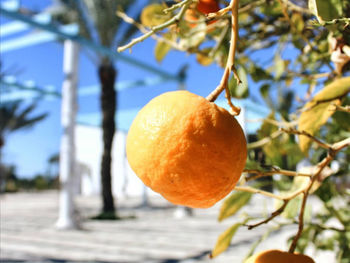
(13, 117)
(103, 28)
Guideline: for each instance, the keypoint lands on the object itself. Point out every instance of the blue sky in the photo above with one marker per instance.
(29, 149)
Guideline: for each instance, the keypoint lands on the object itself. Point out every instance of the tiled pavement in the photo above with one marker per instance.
(153, 235)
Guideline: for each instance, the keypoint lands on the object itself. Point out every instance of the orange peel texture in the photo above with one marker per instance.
(277, 256)
(187, 149)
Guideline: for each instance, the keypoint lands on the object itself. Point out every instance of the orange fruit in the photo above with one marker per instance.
(205, 7)
(208, 6)
(187, 149)
(278, 256)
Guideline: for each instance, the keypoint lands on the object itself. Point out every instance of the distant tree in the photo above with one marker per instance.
(13, 117)
(98, 22)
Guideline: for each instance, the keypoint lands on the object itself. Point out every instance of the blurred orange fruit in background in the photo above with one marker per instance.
(208, 6)
(277, 256)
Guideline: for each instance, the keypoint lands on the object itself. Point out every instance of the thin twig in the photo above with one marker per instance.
(257, 191)
(323, 227)
(337, 107)
(155, 29)
(265, 140)
(334, 149)
(144, 30)
(318, 141)
(260, 173)
(275, 122)
(174, 7)
(272, 216)
(317, 102)
(301, 224)
(297, 8)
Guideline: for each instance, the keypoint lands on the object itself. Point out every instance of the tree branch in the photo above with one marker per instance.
(257, 191)
(301, 224)
(272, 216)
(264, 141)
(318, 141)
(337, 107)
(260, 173)
(155, 29)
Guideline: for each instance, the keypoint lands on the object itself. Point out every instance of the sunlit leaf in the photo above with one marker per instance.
(233, 204)
(292, 209)
(162, 48)
(224, 240)
(194, 37)
(279, 67)
(153, 15)
(257, 73)
(241, 90)
(264, 90)
(346, 50)
(317, 111)
(326, 10)
(297, 21)
(204, 59)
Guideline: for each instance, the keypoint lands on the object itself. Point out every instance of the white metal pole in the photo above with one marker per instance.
(66, 218)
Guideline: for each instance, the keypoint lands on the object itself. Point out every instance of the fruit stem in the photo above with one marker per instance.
(230, 61)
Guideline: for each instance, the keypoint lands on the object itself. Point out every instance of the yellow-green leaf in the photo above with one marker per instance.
(318, 110)
(233, 203)
(326, 10)
(292, 209)
(298, 22)
(194, 37)
(239, 90)
(162, 48)
(153, 15)
(280, 67)
(224, 240)
(203, 59)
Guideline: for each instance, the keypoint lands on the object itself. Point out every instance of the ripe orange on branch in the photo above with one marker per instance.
(277, 256)
(203, 7)
(187, 149)
(208, 6)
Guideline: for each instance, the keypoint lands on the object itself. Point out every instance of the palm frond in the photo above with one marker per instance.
(13, 118)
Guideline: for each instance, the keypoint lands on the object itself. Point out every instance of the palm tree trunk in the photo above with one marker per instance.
(107, 75)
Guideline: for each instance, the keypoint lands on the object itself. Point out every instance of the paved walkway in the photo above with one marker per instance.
(154, 235)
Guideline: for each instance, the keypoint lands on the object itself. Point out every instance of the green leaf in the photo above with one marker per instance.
(280, 67)
(162, 48)
(194, 37)
(224, 240)
(298, 22)
(292, 209)
(264, 90)
(317, 111)
(257, 73)
(241, 90)
(233, 204)
(326, 10)
(153, 15)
